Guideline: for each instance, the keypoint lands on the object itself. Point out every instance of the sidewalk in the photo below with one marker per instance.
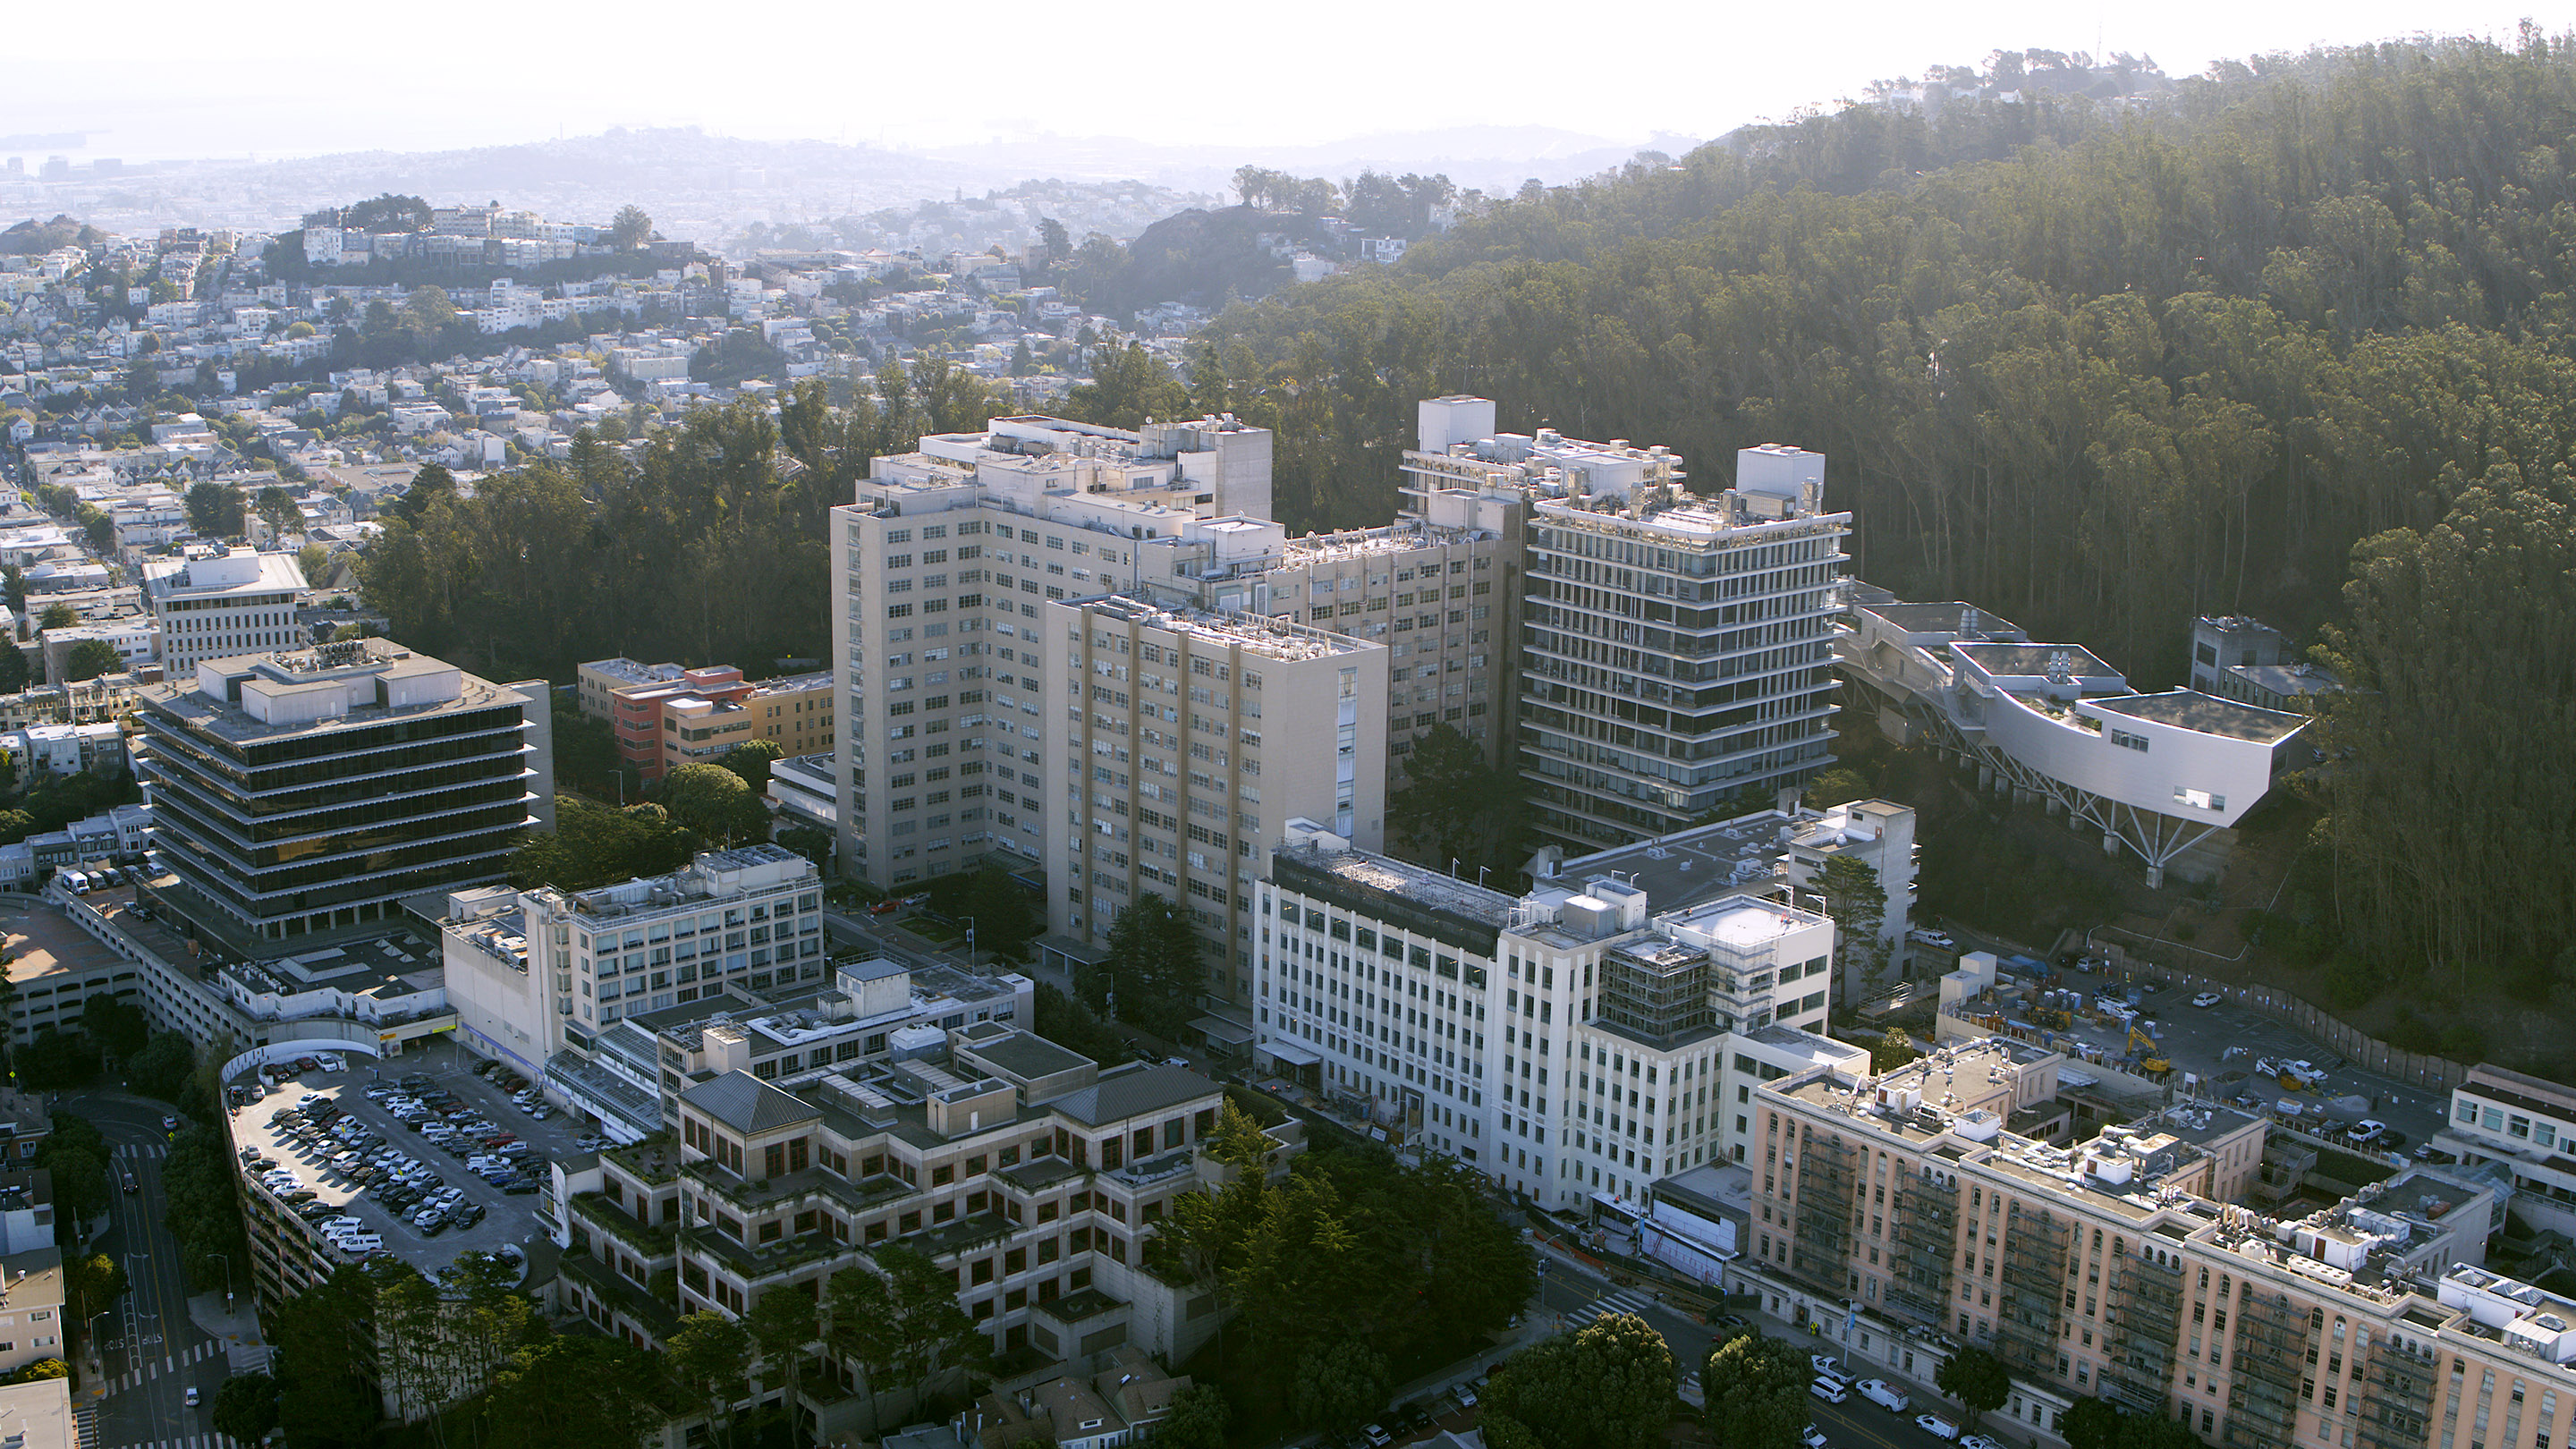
(238, 1331)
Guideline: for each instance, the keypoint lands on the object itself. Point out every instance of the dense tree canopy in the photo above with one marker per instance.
(2098, 370)
(695, 549)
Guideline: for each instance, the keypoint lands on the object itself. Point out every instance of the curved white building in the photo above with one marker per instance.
(2157, 773)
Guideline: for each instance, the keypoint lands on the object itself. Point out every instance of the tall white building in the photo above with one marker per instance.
(939, 571)
(1675, 649)
(1439, 587)
(236, 602)
(1567, 1043)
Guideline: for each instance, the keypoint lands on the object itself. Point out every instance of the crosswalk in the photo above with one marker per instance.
(84, 1423)
(154, 1368)
(185, 1441)
(140, 1151)
(1629, 1300)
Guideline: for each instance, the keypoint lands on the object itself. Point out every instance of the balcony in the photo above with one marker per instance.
(650, 1241)
(757, 1196)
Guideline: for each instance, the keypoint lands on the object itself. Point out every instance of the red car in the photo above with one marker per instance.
(885, 908)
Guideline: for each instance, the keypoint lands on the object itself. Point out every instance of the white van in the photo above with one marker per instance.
(1886, 1395)
(75, 882)
(356, 1243)
(1829, 1390)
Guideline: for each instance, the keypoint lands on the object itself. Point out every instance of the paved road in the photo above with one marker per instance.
(1575, 1297)
(152, 1352)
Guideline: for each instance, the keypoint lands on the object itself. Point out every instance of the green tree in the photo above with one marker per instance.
(714, 802)
(783, 1323)
(709, 1356)
(2090, 1424)
(13, 668)
(57, 1059)
(90, 658)
(999, 906)
(162, 1068)
(1198, 1419)
(118, 1026)
(315, 562)
(575, 1392)
(1755, 1392)
(1894, 1048)
(1456, 806)
(432, 484)
(1977, 1380)
(1153, 966)
(245, 1407)
(1340, 1385)
(13, 581)
(595, 845)
(810, 841)
(1858, 905)
(58, 616)
(278, 509)
(214, 510)
(862, 1328)
(630, 228)
(91, 1283)
(326, 1395)
(1609, 1386)
(751, 760)
(43, 1368)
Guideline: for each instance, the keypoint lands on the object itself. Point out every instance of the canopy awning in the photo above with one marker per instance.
(1217, 1028)
(1289, 1054)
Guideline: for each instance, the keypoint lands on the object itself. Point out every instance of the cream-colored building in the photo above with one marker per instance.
(1188, 741)
(940, 569)
(236, 602)
(2119, 1269)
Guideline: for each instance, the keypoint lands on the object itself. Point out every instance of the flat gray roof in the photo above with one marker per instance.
(1684, 869)
(2034, 659)
(2208, 714)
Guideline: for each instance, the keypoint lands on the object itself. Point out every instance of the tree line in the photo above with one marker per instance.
(2294, 339)
(704, 543)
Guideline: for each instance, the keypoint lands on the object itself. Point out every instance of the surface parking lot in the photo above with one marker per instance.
(508, 1219)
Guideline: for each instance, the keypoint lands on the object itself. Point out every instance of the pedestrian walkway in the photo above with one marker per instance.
(84, 1424)
(135, 1378)
(140, 1151)
(1627, 1300)
(190, 1441)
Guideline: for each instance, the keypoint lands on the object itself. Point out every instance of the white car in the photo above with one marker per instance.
(1812, 1437)
(2206, 998)
(1977, 1441)
(2367, 1130)
(1825, 1363)
(1936, 1426)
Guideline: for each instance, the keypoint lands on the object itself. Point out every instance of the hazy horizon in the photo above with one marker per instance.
(911, 81)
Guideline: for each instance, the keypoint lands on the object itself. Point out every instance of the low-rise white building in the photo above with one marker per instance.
(1567, 1043)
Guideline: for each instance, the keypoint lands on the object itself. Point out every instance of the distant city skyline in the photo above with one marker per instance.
(1157, 72)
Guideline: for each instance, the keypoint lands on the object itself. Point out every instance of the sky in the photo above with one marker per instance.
(474, 73)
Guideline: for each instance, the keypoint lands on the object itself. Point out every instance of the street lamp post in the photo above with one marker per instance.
(970, 938)
(228, 1282)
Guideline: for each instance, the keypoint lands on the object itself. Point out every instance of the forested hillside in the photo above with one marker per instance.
(2098, 370)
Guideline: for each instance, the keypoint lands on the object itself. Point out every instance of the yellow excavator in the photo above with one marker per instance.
(2150, 1055)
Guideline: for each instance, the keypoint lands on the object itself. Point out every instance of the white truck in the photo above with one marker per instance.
(1886, 1395)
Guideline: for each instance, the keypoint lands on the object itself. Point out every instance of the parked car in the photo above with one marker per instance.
(1829, 1390)
(1886, 1395)
(1936, 1426)
(2206, 998)
(1812, 1437)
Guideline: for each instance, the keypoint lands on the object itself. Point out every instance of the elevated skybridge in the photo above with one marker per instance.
(2158, 774)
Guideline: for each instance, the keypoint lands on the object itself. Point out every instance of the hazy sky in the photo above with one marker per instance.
(195, 82)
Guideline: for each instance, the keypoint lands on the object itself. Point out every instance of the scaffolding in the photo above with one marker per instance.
(1823, 1256)
(2027, 1307)
(2146, 1322)
(2269, 1361)
(1927, 1239)
(2396, 1397)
